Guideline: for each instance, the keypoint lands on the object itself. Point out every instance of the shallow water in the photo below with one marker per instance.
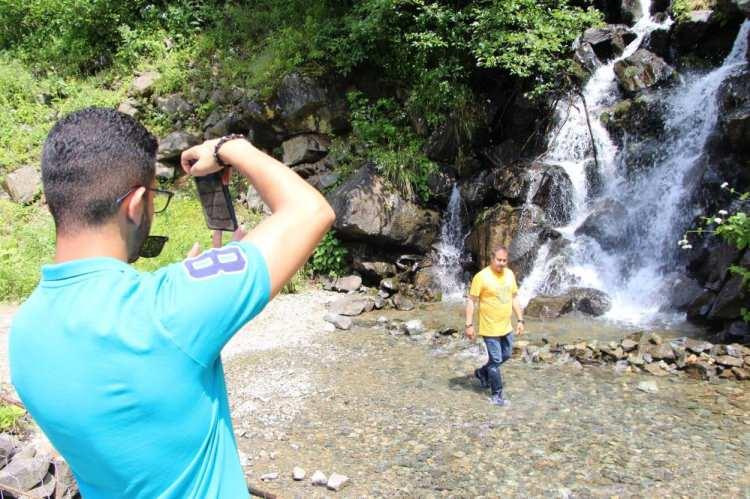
(402, 416)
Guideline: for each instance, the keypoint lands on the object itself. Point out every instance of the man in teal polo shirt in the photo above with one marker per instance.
(121, 369)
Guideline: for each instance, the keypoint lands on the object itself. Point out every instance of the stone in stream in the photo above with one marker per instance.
(655, 369)
(352, 305)
(269, 477)
(701, 370)
(740, 373)
(318, 478)
(729, 361)
(402, 303)
(298, 473)
(648, 386)
(697, 346)
(736, 350)
(726, 374)
(337, 482)
(414, 327)
(662, 351)
(347, 283)
(628, 344)
(636, 359)
(339, 321)
(24, 472)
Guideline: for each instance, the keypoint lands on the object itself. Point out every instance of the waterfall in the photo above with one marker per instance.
(652, 203)
(450, 250)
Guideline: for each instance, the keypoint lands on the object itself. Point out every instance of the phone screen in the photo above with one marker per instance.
(216, 202)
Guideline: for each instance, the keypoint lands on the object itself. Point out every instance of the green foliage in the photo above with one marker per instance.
(328, 258)
(382, 129)
(298, 281)
(736, 230)
(27, 241)
(10, 415)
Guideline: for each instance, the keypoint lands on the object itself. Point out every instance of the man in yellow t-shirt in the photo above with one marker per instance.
(495, 292)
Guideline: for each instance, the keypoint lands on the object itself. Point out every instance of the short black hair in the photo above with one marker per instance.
(92, 157)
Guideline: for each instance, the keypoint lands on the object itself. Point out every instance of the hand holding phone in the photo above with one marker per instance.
(216, 202)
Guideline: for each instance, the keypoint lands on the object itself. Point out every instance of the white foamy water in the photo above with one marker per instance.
(451, 250)
(635, 273)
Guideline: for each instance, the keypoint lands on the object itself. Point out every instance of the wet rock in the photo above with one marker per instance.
(45, 489)
(741, 374)
(729, 361)
(603, 225)
(684, 291)
(636, 119)
(414, 327)
(7, 447)
(174, 105)
(352, 305)
(655, 369)
(339, 321)
(366, 209)
(642, 70)
(298, 473)
(512, 183)
(697, 346)
(337, 482)
(171, 146)
(648, 386)
(23, 184)
(402, 303)
(546, 307)
(701, 306)
(657, 42)
(736, 350)
(701, 370)
(631, 11)
(144, 85)
(589, 301)
(318, 478)
(628, 344)
(390, 285)
(555, 196)
(608, 42)
(584, 55)
(731, 299)
(307, 148)
(347, 283)
(663, 351)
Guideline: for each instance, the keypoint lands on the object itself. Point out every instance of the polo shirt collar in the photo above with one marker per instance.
(76, 268)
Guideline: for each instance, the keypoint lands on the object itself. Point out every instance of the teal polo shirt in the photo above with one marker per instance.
(122, 371)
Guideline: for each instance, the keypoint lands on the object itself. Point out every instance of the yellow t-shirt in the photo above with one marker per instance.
(495, 292)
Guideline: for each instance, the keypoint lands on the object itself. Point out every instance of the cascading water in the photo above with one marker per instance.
(449, 270)
(650, 205)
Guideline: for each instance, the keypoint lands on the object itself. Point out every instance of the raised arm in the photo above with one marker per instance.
(300, 214)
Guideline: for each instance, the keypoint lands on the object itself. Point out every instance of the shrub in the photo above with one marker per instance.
(328, 258)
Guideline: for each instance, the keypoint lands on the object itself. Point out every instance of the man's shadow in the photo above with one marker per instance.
(466, 382)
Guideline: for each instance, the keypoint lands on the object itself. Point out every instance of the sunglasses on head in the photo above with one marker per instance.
(152, 246)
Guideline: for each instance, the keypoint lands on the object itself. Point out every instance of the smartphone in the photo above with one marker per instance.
(216, 202)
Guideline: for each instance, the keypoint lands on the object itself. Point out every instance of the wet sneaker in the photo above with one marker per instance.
(498, 400)
(482, 380)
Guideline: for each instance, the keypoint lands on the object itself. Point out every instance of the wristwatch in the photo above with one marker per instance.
(521, 321)
(469, 325)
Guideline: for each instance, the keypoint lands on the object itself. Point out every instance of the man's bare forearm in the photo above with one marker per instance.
(517, 308)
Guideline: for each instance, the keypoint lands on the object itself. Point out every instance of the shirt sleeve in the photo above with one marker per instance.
(476, 286)
(203, 301)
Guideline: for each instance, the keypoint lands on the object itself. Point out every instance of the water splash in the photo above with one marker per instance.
(654, 201)
(450, 250)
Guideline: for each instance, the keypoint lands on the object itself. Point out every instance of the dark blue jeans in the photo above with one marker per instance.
(499, 349)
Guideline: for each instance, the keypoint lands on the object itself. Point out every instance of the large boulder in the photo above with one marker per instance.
(143, 86)
(555, 195)
(351, 305)
(603, 225)
(642, 70)
(171, 146)
(586, 300)
(608, 42)
(367, 209)
(174, 105)
(23, 184)
(518, 229)
(734, 113)
(657, 42)
(640, 118)
(705, 37)
(304, 104)
(306, 148)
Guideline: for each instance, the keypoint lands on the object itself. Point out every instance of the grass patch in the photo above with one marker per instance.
(10, 416)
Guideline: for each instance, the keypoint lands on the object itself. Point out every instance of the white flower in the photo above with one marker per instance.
(687, 247)
(718, 220)
(723, 213)
(725, 185)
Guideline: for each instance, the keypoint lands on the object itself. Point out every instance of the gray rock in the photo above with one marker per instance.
(701, 370)
(603, 224)
(339, 321)
(269, 477)
(390, 284)
(219, 124)
(589, 301)
(655, 369)
(255, 203)
(318, 478)
(744, 6)
(697, 346)
(307, 148)
(663, 351)
(323, 181)
(171, 146)
(298, 473)
(352, 305)
(402, 303)
(144, 84)
(642, 70)
(7, 448)
(628, 344)
(741, 373)
(729, 361)
(414, 327)
(347, 283)
(130, 107)
(736, 350)
(25, 473)
(555, 195)
(368, 210)
(164, 171)
(337, 482)
(23, 184)
(608, 42)
(174, 105)
(46, 489)
(648, 386)
(546, 307)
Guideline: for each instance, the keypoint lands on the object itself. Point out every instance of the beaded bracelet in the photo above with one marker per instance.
(220, 143)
